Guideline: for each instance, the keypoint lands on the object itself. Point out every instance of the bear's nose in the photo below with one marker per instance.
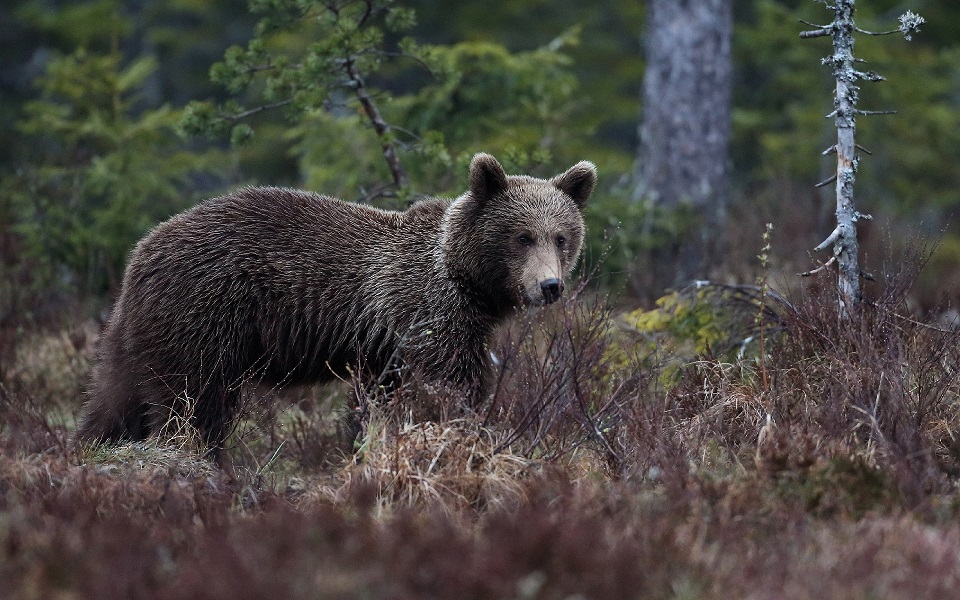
(551, 289)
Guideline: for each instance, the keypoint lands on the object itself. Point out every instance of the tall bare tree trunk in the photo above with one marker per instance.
(683, 164)
(844, 237)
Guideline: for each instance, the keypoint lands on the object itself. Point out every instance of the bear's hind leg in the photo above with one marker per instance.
(205, 413)
(215, 421)
(115, 410)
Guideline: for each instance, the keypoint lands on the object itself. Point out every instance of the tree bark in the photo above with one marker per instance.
(845, 247)
(683, 163)
(844, 237)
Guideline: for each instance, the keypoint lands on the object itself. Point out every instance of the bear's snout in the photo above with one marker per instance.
(551, 288)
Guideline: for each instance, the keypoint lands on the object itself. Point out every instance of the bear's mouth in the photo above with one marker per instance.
(544, 293)
(533, 299)
(525, 299)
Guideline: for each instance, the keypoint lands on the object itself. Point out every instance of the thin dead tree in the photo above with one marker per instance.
(844, 236)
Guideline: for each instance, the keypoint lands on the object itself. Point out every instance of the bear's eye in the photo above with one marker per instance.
(561, 241)
(524, 240)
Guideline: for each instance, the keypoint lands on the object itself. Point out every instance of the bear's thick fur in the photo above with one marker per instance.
(284, 286)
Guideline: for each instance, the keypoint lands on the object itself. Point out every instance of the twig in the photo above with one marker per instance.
(816, 25)
(822, 267)
(380, 191)
(827, 181)
(256, 109)
(401, 54)
(268, 67)
(815, 33)
(865, 32)
(918, 323)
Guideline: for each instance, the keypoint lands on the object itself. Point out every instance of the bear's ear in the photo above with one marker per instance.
(487, 178)
(577, 182)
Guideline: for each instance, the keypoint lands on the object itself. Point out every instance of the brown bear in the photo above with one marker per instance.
(284, 286)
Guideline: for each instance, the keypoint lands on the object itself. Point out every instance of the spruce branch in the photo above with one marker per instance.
(350, 48)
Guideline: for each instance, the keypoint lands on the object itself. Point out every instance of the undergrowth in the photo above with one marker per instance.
(619, 455)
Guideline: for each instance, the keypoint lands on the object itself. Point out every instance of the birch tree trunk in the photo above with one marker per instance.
(683, 161)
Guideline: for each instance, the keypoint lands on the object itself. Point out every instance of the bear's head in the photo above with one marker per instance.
(511, 240)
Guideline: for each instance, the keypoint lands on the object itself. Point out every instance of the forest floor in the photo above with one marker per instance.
(617, 459)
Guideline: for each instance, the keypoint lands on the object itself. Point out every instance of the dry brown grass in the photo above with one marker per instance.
(53, 367)
(452, 465)
(590, 473)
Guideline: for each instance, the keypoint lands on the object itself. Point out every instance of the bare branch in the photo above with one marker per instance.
(910, 23)
(919, 324)
(870, 76)
(413, 135)
(833, 237)
(865, 32)
(827, 181)
(380, 191)
(814, 33)
(822, 267)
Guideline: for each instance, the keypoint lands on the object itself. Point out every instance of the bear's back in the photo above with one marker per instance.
(274, 215)
(282, 243)
(268, 227)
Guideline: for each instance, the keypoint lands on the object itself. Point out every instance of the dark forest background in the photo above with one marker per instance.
(99, 140)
